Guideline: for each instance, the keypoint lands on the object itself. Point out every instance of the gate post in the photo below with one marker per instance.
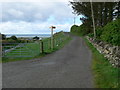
(1, 47)
(0, 61)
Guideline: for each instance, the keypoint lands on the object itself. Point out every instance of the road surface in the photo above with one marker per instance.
(69, 67)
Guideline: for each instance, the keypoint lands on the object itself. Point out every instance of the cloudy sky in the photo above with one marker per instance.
(36, 17)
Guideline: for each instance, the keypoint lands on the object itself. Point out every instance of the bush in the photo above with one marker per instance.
(13, 37)
(36, 38)
(91, 35)
(83, 30)
(74, 29)
(3, 37)
(79, 30)
(99, 31)
(111, 32)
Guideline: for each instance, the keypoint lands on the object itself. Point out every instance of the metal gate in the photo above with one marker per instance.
(20, 49)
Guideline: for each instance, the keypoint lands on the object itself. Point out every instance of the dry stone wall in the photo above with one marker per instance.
(112, 53)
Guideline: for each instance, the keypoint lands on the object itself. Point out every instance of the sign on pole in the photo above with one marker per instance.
(52, 45)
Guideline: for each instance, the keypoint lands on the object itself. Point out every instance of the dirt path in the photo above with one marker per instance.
(69, 67)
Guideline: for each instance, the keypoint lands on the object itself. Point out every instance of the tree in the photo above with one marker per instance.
(103, 12)
(3, 37)
(36, 38)
(13, 37)
(117, 10)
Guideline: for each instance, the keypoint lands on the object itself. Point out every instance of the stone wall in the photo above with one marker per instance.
(112, 53)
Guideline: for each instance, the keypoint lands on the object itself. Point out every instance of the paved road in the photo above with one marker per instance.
(69, 67)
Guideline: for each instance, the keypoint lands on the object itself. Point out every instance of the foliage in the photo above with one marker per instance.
(3, 37)
(36, 38)
(111, 32)
(83, 29)
(99, 31)
(15, 41)
(8, 41)
(79, 30)
(74, 29)
(104, 12)
(13, 37)
(90, 34)
(105, 75)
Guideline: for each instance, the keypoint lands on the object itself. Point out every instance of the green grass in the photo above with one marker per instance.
(34, 49)
(105, 75)
(59, 41)
(77, 34)
(29, 49)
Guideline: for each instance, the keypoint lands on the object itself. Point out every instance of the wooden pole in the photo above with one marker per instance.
(93, 18)
(52, 38)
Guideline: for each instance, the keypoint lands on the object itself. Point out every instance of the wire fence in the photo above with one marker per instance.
(20, 49)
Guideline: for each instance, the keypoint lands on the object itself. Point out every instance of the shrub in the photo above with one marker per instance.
(99, 31)
(90, 34)
(3, 37)
(36, 38)
(13, 37)
(79, 30)
(111, 33)
(74, 29)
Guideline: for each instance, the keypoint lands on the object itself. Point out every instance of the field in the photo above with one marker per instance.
(24, 51)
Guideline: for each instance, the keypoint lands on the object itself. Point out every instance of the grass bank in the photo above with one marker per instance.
(60, 39)
(105, 75)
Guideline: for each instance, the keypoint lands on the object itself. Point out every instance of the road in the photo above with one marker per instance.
(69, 67)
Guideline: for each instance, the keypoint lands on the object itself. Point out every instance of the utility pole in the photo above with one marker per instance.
(93, 18)
(52, 45)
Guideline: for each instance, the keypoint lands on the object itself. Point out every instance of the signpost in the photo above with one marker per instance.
(52, 45)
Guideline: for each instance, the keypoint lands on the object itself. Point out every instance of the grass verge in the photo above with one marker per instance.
(105, 75)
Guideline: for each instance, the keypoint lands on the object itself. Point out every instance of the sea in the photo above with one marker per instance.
(28, 35)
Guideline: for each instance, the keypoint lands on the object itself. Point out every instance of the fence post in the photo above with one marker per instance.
(52, 38)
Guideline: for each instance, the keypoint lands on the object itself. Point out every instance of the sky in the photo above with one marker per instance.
(36, 17)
